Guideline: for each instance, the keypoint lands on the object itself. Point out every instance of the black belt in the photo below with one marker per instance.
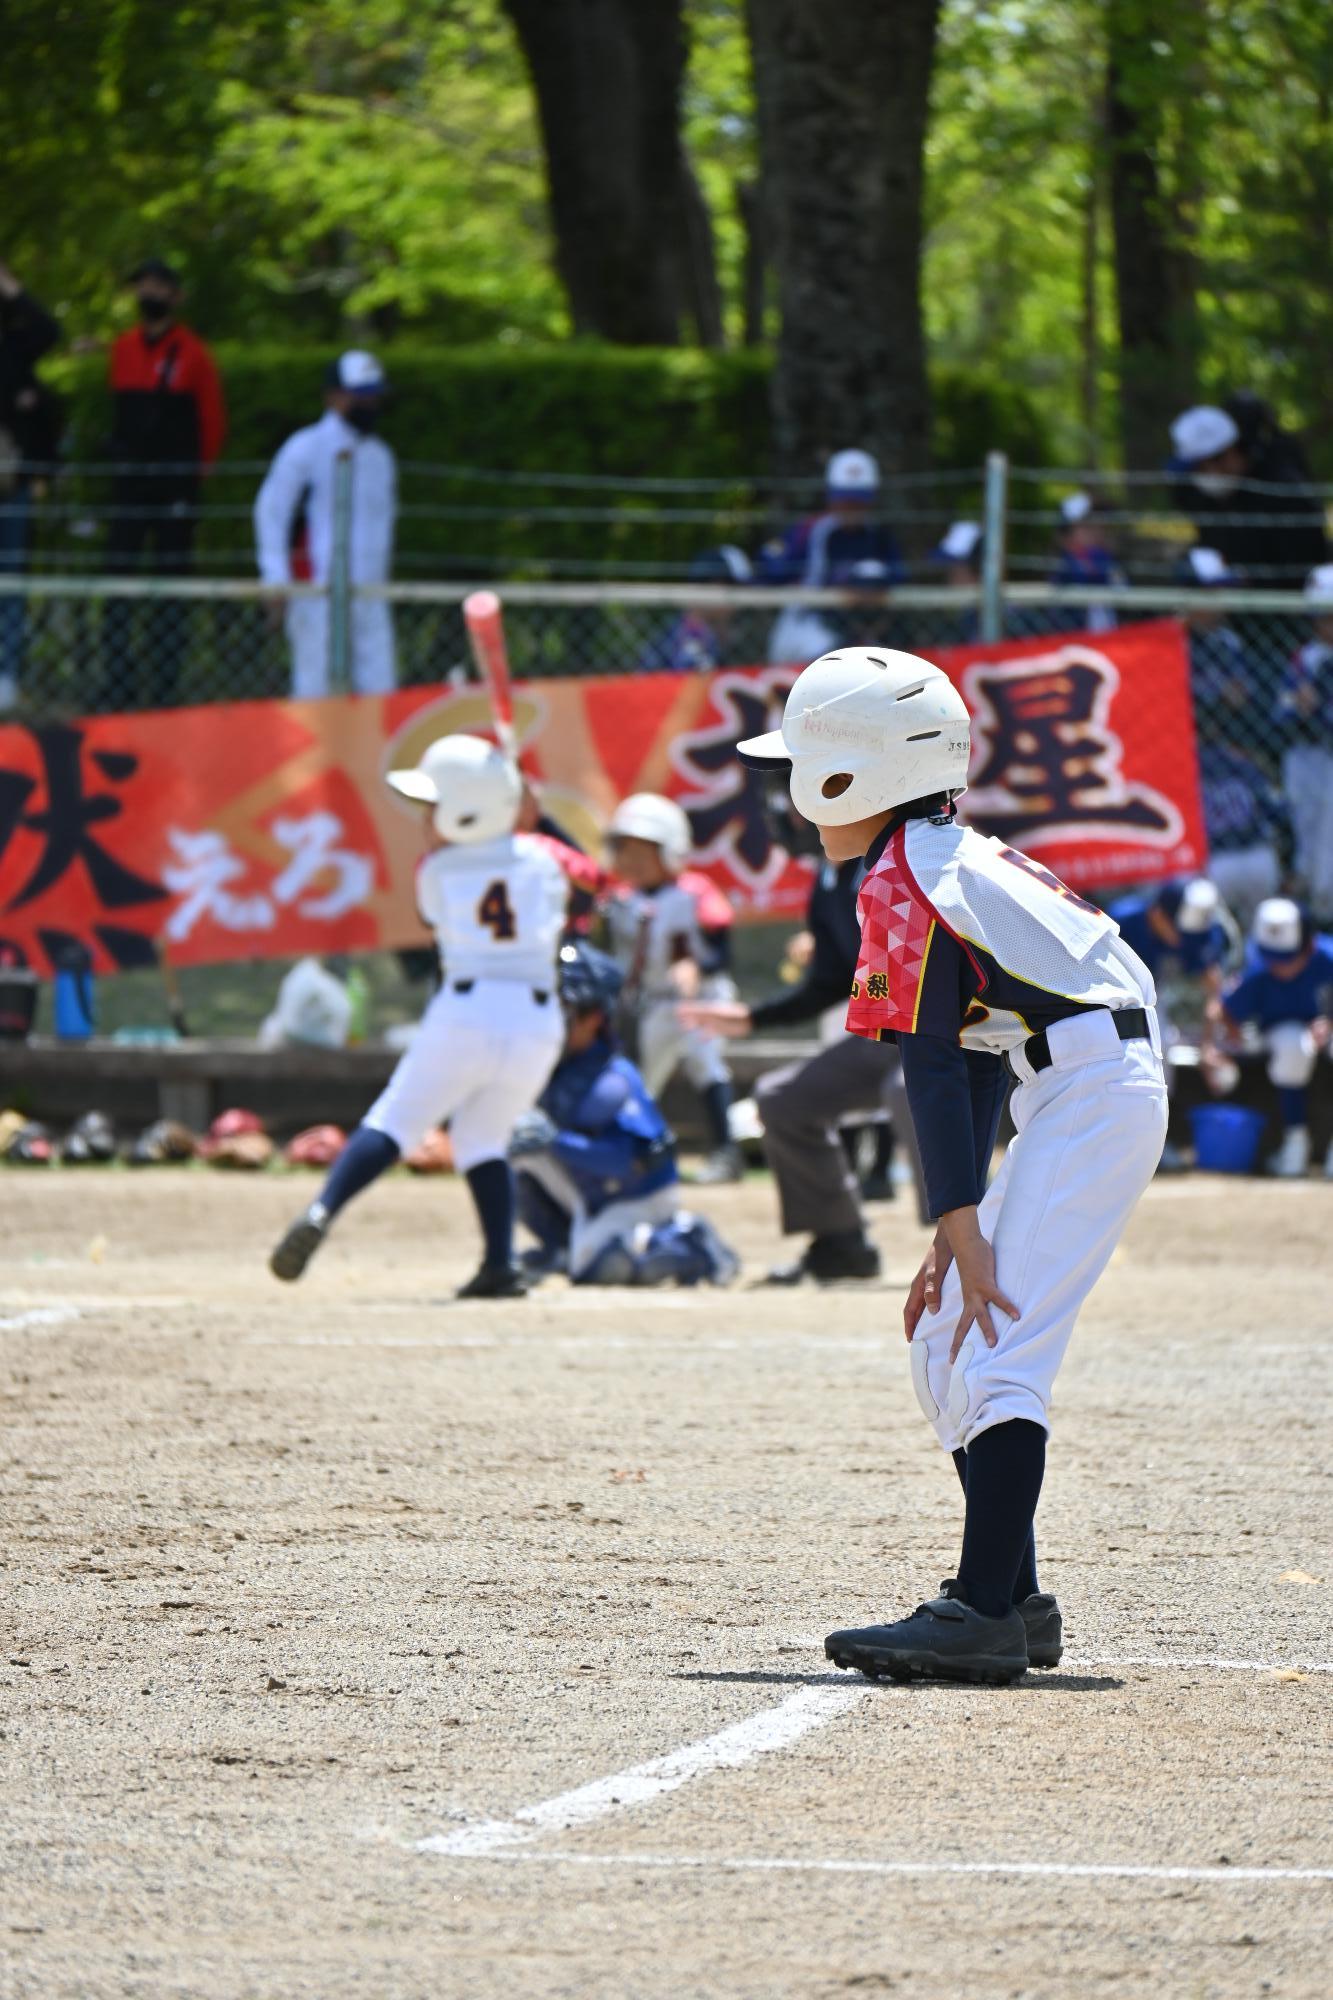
(1131, 1024)
(539, 994)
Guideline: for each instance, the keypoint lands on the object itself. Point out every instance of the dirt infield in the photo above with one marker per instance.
(359, 1642)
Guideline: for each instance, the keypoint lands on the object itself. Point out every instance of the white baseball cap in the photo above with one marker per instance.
(1199, 905)
(1201, 433)
(961, 542)
(851, 475)
(1277, 926)
(1207, 566)
(1075, 509)
(358, 372)
(1319, 585)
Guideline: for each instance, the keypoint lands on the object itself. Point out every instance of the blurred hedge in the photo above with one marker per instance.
(576, 408)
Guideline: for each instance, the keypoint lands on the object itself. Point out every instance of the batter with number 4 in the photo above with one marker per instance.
(984, 967)
(496, 900)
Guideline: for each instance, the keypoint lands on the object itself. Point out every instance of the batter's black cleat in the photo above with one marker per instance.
(945, 1640)
(1041, 1622)
(494, 1281)
(830, 1260)
(300, 1243)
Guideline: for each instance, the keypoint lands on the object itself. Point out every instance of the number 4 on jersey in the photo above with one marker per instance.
(496, 913)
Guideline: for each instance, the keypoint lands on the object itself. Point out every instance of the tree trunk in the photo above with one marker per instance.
(607, 76)
(697, 283)
(754, 264)
(1154, 264)
(842, 96)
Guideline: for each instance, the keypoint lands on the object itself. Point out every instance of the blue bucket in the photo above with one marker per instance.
(1226, 1137)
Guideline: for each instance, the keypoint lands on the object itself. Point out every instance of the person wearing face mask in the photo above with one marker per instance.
(304, 476)
(168, 424)
(1247, 500)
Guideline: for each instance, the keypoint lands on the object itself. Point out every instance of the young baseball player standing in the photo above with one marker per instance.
(671, 935)
(496, 901)
(981, 963)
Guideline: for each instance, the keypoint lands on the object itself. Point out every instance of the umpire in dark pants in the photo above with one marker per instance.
(804, 1105)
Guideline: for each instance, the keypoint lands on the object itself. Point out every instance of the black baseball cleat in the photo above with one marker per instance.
(1041, 1622)
(945, 1640)
(830, 1260)
(1045, 1629)
(300, 1243)
(494, 1281)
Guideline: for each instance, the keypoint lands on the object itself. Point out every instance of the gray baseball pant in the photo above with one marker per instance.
(802, 1107)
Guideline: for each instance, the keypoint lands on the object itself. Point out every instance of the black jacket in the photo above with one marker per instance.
(833, 922)
(28, 410)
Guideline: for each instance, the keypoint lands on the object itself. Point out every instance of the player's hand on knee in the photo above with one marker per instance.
(533, 1133)
(976, 1269)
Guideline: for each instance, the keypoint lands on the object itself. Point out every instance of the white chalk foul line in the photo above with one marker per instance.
(771, 1729)
(722, 1864)
(19, 1322)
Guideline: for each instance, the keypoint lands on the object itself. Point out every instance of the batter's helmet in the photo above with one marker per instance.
(472, 785)
(648, 816)
(866, 729)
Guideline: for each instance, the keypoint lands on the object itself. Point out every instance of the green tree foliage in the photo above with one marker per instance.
(373, 168)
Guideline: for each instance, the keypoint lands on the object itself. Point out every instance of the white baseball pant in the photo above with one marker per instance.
(1088, 1135)
(371, 638)
(665, 1046)
(1292, 1054)
(1307, 779)
(589, 1235)
(479, 1059)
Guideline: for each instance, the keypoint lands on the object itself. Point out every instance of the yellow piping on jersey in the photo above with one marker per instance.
(921, 975)
(1056, 992)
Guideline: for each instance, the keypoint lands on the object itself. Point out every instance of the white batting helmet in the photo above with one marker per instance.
(648, 816)
(866, 729)
(472, 785)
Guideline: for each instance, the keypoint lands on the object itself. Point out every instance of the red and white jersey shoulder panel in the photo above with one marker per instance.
(897, 925)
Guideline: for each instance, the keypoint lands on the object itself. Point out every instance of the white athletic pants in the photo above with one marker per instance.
(665, 1046)
(1307, 778)
(372, 661)
(1088, 1135)
(479, 1059)
(590, 1234)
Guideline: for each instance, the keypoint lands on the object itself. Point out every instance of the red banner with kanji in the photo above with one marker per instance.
(265, 829)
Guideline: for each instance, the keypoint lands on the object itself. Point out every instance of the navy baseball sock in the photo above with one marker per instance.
(1004, 1473)
(362, 1160)
(1292, 1098)
(493, 1192)
(717, 1106)
(1025, 1583)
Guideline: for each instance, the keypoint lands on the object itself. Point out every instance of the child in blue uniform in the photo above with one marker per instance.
(1285, 993)
(595, 1162)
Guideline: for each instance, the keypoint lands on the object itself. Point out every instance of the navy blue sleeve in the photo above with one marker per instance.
(956, 1096)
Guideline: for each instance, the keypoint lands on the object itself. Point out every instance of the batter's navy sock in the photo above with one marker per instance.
(1025, 1583)
(1293, 1099)
(492, 1188)
(717, 1108)
(366, 1156)
(1004, 1473)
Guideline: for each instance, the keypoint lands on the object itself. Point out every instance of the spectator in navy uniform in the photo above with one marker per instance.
(1284, 995)
(1247, 491)
(958, 555)
(700, 638)
(1305, 709)
(1225, 680)
(823, 552)
(1248, 826)
(1084, 557)
(28, 417)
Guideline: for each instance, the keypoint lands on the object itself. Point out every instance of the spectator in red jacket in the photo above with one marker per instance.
(168, 424)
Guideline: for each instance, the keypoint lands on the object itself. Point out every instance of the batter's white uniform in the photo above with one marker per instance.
(967, 945)
(306, 468)
(650, 931)
(492, 1034)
